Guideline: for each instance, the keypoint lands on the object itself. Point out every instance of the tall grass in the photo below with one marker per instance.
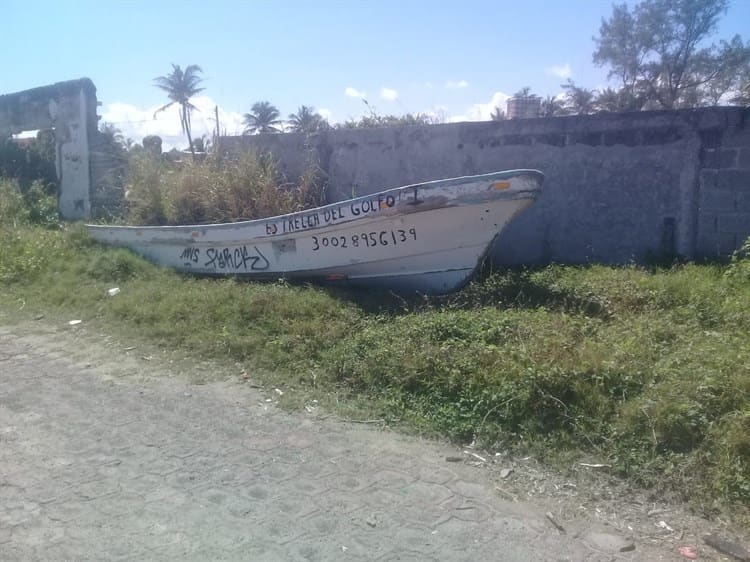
(218, 189)
(23, 256)
(32, 206)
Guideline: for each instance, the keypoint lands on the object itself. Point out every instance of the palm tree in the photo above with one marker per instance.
(609, 99)
(306, 120)
(498, 114)
(113, 134)
(262, 119)
(578, 101)
(552, 107)
(180, 87)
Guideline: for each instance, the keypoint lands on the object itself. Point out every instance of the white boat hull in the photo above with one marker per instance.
(429, 237)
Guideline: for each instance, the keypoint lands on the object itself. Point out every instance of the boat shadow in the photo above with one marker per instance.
(504, 289)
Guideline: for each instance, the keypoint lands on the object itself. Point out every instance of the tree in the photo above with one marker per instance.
(152, 144)
(306, 120)
(113, 134)
(28, 160)
(578, 101)
(658, 52)
(180, 87)
(498, 114)
(620, 100)
(107, 196)
(742, 95)
(263, 118)
(524, 92)
(552, 107)
(376, 120)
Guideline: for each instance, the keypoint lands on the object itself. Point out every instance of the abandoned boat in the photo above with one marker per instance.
(428, 237)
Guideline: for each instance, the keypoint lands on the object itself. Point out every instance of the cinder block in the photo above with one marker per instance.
(728, 244)
(742, 201)
(734, 116)
(728, 158)
(715, 245)
(709, 158)
(736, 223)
(733, 179)
(720, 200)
(590, 139)
(710, 139)
(662, 136)
(575, 173)
(708, 179)
(708, 223)
(554, 139)
(711, 119)
(628, 137)
(736, 137)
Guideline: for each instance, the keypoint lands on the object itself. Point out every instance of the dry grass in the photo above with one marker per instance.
(215, 190)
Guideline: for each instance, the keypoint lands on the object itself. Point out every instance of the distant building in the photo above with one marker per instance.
(524, 107)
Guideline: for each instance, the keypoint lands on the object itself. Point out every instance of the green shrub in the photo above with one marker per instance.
(34, 206)
(24, 256)
(116, 265)
(215, 190)
(145, 190)
(739, 268)
(13, 209)
(43, 209)
(729, 461)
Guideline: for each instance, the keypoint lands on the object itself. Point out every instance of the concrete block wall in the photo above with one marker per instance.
(619, 188)
(724, 186)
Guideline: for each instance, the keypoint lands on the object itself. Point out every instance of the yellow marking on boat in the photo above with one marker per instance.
(383, 205)
(498, 185)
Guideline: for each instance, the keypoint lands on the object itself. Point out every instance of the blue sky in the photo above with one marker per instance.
(454, 59)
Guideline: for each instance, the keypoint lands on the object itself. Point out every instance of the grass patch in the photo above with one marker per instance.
(647, 369)
(218, 189)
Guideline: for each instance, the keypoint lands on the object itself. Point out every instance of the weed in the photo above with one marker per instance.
(13, 210)
(34, 206)
(739, 268)
(216, 190)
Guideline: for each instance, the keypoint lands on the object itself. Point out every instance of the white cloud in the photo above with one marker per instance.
(429, 85)
(482, 111)
(325, 114)
(455, 85)
(354, 93)
(561, 71)
(138, 122)
(388, 94)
